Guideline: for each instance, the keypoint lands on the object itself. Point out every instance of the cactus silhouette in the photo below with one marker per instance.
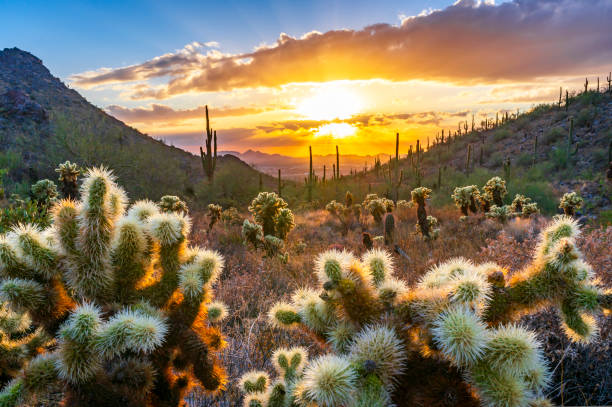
(209, 158)
(124, 297)
(385, 338)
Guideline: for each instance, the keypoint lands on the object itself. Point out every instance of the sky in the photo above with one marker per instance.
(279, 76)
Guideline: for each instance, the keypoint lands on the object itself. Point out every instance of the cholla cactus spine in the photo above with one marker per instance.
(120, 318)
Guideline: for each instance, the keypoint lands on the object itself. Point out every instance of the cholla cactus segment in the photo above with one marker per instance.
(284, 315)
(255, 381)
(252, 233)
(151, 291)
(217, 311)
(379, 264)
(255, 400)
(331, 265)
(341, 336)
(461, 335)
(495, 190)
(284, 222)
(329, 381)
(382, 346)
(570, 202)
(142, 210)
(172, 204)
(289, 363)
(513, 350)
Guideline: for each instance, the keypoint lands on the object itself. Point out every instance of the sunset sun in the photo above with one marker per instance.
(331, 102)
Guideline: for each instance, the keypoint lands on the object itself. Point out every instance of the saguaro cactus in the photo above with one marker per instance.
(337, 163)
(390, 344)
(125, 296)
(209, 159)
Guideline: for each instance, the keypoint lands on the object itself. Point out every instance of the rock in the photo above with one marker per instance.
(16, 103)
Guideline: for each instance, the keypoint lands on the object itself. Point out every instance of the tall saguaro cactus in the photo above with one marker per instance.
(209, 159)
(125, 296)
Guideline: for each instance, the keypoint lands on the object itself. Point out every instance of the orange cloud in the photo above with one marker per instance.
(467, 42)
(161, 113)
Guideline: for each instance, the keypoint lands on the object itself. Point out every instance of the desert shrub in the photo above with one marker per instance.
(586, 116)
(342, 213)
(496, 159)
(553, 135)
(501, 134)
(456, 326)
(125, 297)
(525, 159)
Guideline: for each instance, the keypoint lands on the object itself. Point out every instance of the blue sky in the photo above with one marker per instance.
(75, 36)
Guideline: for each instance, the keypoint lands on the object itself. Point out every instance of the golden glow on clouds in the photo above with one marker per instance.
(336, 130)
(329, 102)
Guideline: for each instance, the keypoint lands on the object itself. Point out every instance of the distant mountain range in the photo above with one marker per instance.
(297, 167)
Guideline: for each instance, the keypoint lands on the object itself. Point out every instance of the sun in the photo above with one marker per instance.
(331, 102)
(336, 130)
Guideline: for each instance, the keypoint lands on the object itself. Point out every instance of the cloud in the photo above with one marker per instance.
(164, 113)
(467, 42)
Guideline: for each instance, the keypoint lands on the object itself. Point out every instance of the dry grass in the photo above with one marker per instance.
(251, 284)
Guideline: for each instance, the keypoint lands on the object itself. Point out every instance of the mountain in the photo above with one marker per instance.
(43, 123)
(297, 167)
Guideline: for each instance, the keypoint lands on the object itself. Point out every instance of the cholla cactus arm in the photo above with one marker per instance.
(252, 233)
(284, 223)
(570, 202)
(557, 276)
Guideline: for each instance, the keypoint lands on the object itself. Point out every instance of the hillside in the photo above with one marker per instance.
(544, 175)
(43, 122)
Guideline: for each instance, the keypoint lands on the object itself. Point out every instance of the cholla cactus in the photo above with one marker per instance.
(570, 202)
(466, 198)
(68, 175)
(214, 214)
(522, 206)
(172, 204)
(377, 207)
(426, 225)
(44, 192)
(123, 294)
(495, 190)
(271, 212)
(231, 216)
(500, 213)
(459, 317)
(341, 212)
